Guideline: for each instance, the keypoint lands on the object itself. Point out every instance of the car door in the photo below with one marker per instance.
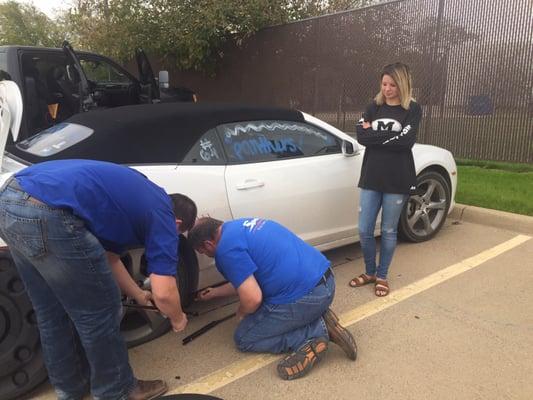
(200, 176)
(149, 86)
(294, 173)
(78, 74)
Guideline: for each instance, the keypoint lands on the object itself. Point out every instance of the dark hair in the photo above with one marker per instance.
(184, 209)
(204, 229)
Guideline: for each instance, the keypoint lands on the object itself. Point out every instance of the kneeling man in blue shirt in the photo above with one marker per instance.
(66, 223)
(285, 288)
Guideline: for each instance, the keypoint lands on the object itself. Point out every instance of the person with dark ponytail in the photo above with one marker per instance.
(388, 131)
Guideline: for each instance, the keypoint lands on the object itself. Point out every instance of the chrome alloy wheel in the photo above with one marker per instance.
(426, 211)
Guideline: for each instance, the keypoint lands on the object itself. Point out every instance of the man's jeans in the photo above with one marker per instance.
(284, 328)
(391, 204)
(76, 299)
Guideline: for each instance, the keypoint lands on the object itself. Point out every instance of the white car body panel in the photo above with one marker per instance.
(315, 197)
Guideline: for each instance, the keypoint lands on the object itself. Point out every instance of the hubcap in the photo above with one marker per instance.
(139, 325)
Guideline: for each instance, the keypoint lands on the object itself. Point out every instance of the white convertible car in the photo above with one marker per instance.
(234, 161)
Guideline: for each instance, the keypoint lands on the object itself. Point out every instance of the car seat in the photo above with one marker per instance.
(36, 99)
(63, 92)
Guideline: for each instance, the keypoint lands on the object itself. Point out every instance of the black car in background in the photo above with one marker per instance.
(58, 83)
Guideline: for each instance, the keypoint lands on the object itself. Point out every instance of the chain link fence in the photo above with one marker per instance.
(471, 62)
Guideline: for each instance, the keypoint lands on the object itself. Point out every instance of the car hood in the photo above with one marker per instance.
(10, 113)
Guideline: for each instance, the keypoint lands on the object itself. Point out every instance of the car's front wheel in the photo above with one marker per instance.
(21, 361)
(425, 212)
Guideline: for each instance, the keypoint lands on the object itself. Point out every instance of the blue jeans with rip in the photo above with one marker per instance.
(284, 328)
(74, 295)
(370, 202)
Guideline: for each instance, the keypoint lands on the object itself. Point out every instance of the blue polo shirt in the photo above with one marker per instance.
(119, 205)
(285, 267)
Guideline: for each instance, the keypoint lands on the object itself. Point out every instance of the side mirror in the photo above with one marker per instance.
(349, 149)
(164, 81)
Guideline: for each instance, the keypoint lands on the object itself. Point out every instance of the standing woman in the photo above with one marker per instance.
(388, 131)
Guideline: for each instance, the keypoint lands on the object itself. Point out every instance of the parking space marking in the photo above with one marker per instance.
(251, 363)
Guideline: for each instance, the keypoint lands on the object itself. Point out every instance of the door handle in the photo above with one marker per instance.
(250, 184)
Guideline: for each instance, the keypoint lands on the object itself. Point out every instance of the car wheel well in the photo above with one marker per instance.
(441, 170)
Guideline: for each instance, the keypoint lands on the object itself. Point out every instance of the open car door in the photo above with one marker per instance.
(85, 95)
(149, 86)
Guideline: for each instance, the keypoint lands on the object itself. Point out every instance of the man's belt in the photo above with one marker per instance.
(325, 277)
(12, 183)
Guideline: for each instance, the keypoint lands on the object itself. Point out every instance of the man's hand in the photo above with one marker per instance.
(206, 294)
(179, 324)
(220, 291)
(144, 298)
(240, 315)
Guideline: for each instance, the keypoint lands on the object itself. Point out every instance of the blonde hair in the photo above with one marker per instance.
(401, 76)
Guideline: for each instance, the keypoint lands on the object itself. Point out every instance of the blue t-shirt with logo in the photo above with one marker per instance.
(285, 267)
(119, 205)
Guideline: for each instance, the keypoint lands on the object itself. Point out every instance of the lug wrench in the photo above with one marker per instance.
(193, 335)
(205, 328)
(155, 309)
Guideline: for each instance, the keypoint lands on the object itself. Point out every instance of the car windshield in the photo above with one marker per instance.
(55, 139)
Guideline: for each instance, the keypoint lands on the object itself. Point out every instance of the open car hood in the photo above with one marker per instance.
(10, 113)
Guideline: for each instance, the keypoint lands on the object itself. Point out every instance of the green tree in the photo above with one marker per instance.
(24, 24)
(191, 34)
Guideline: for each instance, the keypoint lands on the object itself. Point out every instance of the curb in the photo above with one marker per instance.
(494, 218)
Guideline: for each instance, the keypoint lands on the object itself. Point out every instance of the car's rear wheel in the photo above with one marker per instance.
(140, 326)
(21, 361)
(425, 212)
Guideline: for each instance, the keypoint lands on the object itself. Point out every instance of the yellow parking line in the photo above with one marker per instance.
(251, 363)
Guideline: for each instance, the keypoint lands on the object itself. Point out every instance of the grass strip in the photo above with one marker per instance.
(498, 189)
(504, 166)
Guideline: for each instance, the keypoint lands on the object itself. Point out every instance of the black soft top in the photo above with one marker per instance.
(153, 133)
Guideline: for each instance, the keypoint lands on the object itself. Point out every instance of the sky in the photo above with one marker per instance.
(48, 6)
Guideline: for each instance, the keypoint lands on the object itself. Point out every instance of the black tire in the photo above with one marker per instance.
(188, 273)
(21, 361)
(141, 326)
(425, 212)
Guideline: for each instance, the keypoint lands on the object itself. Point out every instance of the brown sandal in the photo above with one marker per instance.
(382, 288)
(362, 280)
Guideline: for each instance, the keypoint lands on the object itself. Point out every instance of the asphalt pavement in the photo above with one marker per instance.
(457, 325)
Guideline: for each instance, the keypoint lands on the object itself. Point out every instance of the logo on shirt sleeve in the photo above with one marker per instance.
(253, 224)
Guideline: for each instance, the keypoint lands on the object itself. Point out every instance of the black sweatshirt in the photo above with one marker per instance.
(388, 165)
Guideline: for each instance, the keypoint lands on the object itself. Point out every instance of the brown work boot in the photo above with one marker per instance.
(146, 390)
(340, 335)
